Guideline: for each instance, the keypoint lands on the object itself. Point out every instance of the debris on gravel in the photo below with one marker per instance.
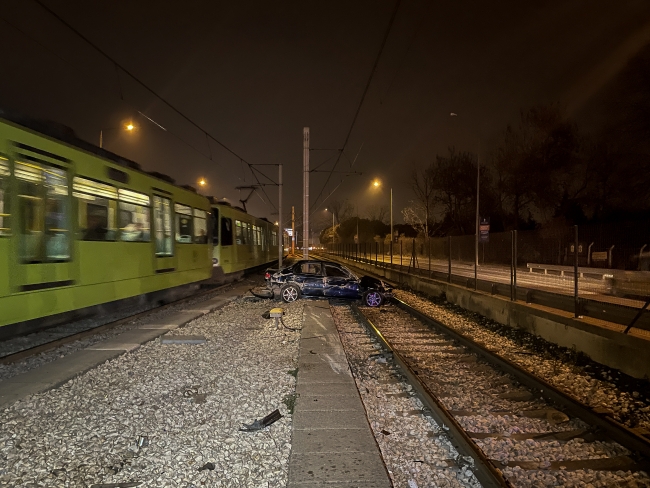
(166, 415)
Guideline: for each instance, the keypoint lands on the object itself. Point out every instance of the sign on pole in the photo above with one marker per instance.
(484, 230)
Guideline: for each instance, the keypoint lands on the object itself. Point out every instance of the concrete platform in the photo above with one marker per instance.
(56, 373)
(332, 444)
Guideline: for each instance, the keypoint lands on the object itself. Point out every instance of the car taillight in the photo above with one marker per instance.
(267, 275)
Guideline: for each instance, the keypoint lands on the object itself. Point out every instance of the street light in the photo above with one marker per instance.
(128, 127)
(377, 184)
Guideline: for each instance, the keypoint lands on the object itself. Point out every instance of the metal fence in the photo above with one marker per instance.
(584, 267)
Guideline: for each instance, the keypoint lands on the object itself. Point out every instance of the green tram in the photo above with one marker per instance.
(81, 227)
(241, 241)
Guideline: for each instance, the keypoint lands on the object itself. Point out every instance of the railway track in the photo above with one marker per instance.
(520, 430)
(38, 342)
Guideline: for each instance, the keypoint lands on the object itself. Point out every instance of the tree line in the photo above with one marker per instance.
(543, 172)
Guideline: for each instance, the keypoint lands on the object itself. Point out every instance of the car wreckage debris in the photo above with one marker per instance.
(117, 485)
(271, 418)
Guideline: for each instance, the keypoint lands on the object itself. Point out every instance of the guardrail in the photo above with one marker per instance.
(595, 273)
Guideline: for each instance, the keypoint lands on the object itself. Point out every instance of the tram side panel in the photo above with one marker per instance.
(71, 237)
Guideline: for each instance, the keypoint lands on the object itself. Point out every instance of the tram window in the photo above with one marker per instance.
(43, 206)
(200, 227)
(254, 235)
(5, 215)
(162, 214)
(215, 228)
(97, 209)
(226, 231)
(247, 233)
(134, 218)
(241, 232)
(183, 223)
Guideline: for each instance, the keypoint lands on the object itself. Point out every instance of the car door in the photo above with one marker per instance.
(309, 276)
(340, 283)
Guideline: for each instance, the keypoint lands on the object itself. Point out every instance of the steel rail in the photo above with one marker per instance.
(47, 346)
(616, 431)
(488, 474)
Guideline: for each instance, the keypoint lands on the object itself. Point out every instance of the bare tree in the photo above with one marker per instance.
(455, 188)
(536, 161)
(422, 180)
(342, 210)
(415, 216)
(378, 212)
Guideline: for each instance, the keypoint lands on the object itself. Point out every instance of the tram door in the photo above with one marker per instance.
(162, 214)
(43, 223)
(227, 252)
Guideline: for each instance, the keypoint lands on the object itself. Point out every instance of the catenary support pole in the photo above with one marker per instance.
(280, 228)
(391, 228)
(305, 195)
(293, 230)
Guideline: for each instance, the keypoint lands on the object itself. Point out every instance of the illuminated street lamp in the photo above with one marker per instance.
(377, 183)
(128, 127)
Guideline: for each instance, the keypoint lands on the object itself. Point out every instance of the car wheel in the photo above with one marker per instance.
(290, 293)
(373, 298)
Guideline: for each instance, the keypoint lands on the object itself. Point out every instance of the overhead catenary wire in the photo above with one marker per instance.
(131, 106)
(363, 96)
(150, 90)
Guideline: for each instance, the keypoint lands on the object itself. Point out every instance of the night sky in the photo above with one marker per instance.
(253, 74)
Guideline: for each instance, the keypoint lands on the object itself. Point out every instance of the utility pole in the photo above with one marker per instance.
(293, 230)
(305, 197)
(391, 226)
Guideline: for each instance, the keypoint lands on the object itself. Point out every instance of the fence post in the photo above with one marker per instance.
(429, 257)
(515, 267)
(512, 264)
(449, 260)
(401, 252)
(576, 298)
(391, 251)
(376, 252)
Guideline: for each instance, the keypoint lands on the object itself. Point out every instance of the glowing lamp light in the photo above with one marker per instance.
(376, 183)
(202, 182)
(130, 126)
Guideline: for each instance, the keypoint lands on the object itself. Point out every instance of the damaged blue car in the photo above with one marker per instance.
(327, 279)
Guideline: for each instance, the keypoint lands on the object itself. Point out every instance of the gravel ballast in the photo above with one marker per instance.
(627, 400)
(166, 415)
(414, 448)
